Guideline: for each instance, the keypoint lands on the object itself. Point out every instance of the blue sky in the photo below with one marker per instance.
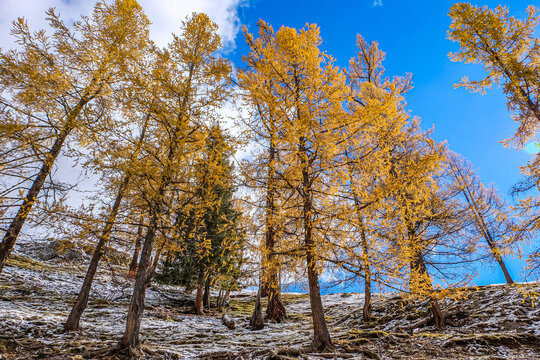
(413, 35)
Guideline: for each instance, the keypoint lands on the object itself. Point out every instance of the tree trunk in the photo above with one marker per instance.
(130, 339)
(263, 286)
(206, 294)
(257, 322)
(418, 266)
(366, 310)
(438, 315)
(199, 308)
(480, 220)
(275, 310)
(74, 317)
(219, 302)
(134, 261)
(487, 236)
(321, 336)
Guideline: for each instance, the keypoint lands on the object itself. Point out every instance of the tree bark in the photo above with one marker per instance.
(219, 301)
(366, 310)
(418, 266)
(257, 322)
(134, 261)
(438, 315)
(276, 310)
(14, 229)
(263, 285)
(206, 294)
(321, 336)
(130, 339)
(271, 285)
(199, 308)
(72, 322)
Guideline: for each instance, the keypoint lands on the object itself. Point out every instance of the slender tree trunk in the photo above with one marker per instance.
(14, 229)
(206, 294)
(155, 263)
(366, 310)
(272, 287)
(219, 301)
(74, 317)
(321, 336)
(487, 235)
(480, 221)
(199, 307)
(134, 261)
(130, 339)
(418, 268)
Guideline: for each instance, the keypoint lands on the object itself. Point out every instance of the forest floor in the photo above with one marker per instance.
(491, 322)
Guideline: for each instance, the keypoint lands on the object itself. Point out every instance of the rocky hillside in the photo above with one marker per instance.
(492, 322)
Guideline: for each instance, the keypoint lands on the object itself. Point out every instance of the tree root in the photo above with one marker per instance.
(115, 352)
(359, 350)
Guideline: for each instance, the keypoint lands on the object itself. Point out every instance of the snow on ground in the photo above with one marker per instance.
(492, 322)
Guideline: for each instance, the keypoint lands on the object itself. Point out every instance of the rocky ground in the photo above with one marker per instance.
(493, 322)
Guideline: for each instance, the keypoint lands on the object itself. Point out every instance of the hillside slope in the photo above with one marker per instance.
(492, 322)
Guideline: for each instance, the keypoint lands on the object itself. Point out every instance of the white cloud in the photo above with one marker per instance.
(377, 3)
(166, 16)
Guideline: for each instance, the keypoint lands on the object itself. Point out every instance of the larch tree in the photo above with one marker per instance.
(193, 83)
(412, 207)
(491, 215)
(58, 83)
(310, 93)
(377, 123)
(259, 95)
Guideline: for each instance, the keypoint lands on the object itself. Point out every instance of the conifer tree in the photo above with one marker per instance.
(209, 236)
(311, 92)
(260, 96)
(377, 124)
(191, 85)
(491, 215)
